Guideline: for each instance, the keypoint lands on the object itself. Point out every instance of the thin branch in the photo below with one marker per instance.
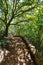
(6, 6)
(12, 12)
(14, 15)
(21, 12)
(24, 4)
(20, 22)
(14, 6)
(10, 20)
(6, 11)
(1, 19)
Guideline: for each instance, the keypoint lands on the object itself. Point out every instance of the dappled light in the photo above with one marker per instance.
(17, 53)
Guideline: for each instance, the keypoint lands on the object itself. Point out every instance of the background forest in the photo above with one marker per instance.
(25, 18)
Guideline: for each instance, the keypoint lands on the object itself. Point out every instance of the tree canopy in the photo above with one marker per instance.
(12, 10)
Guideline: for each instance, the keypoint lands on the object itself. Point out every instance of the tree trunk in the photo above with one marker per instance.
(6, 30)
(33, 56)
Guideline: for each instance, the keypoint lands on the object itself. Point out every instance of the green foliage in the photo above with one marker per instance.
(2, 28)
(3, 42)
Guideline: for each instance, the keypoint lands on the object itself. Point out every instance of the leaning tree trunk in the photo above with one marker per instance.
(33, 56)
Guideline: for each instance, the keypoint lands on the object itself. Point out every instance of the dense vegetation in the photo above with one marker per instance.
(23, 17)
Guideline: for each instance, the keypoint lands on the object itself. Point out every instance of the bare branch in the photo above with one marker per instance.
(2, 20)
(14, 5)
(6, 11)
(20, 22)
(6, 6)
(14, 10)
(24, 4)
(21, 12)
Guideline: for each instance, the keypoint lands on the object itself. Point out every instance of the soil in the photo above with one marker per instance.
(18, 54)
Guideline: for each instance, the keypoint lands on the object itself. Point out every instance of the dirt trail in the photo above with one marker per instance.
(18, 54)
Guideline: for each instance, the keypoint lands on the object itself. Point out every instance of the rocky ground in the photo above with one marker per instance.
(16, 54)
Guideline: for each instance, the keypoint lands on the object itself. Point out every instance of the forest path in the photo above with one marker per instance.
(18, 54)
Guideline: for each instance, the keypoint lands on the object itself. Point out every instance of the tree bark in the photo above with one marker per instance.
(6, 30)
